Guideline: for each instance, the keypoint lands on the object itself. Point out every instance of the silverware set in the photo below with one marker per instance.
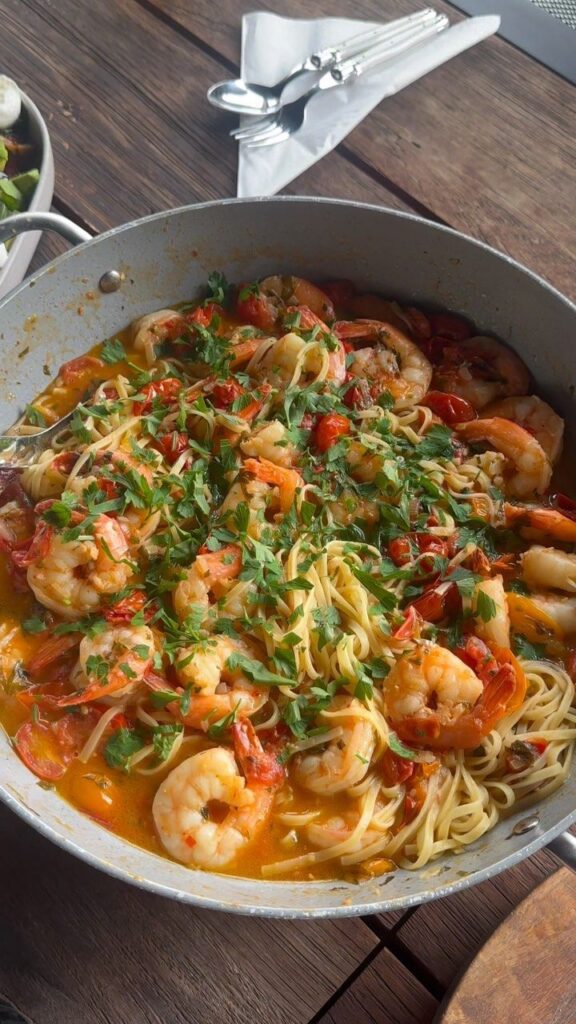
(277, 112)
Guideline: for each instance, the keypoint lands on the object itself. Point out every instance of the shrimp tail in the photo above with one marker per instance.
(260, 768)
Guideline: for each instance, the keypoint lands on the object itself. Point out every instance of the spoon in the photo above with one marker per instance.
(31, 444)
(242, 97)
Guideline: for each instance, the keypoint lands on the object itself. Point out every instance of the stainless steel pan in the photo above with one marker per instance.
(163, 259)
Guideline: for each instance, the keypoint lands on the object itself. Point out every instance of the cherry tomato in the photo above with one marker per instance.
(125, 610)
(339, 292)
(403, 549)
(450, 408)
(330, 428)
(204, 315)
(450, 326)
(38, 747)
(224, 394)
(437, 602)
(172, 445)
(72, 731)
(258, 310)
(65, 462)
(359, 396)
(410, 625)
(395, 769)
(76, 371)
(167, 390)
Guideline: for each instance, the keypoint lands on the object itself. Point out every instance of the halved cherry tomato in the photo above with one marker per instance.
(438, 602)
(409, 627)
(225, 393)
(330, 429)
(38, 747)
(257, 309)
(359, 396)
(72, 731)
(65, 462)
(450, 326)
(523, 753)
(125, 610)
(204, 315)
(167, 390)
(450, 408)
(403, 549)
(77, 371)
(395, 769)
(339, 292)
(172, 445)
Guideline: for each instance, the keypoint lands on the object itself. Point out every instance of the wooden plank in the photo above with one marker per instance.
(384, 993)
(123, 146)
(444, 935)
(76, 945)
(486, 142)
(532, 942)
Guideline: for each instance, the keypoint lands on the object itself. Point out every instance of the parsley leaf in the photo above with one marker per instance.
(386, 598)
(120, 747)
(256, 672)
(112, 351)
(164, 737)
(397, 747)
(485, 606)
(35, 417)
(436, 444)
(524, 649)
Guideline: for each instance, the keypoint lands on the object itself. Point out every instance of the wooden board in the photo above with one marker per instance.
(524, 973)
(443, 935)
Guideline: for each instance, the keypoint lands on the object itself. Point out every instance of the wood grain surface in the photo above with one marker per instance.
(525, 958)
(485, 144)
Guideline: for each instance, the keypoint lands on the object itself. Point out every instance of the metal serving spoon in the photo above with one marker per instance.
(28, 445)
(242, 97)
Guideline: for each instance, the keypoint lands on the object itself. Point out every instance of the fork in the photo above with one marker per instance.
(30, 444)
(278, 127)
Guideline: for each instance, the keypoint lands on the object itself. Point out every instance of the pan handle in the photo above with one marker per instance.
(564, 846)
(43, 222)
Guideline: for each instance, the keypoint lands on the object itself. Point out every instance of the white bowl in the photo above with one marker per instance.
(23, 247)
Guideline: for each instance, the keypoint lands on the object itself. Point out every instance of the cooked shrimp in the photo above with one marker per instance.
(536, 416)
(187, 808)
(270, 442)
(363, 463)
(396, 364)
(532, 521)
(481, 370)
(490, 610)
(549, 568)
(288, 481)
(112, 661)
(434, 699)
(150, 330)
(216, 689)
(345, 760)
(296, 291)
(204, 576)
(69, 577)
(530, 469)
(561, 611)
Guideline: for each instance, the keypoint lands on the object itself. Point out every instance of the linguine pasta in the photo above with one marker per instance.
(289, 596)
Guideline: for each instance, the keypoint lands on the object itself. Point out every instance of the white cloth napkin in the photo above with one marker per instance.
(273, 46)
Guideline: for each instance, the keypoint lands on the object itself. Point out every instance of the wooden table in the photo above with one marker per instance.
(485, 144)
